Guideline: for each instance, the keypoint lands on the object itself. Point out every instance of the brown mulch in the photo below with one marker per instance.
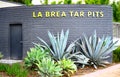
(112, 71)
(90, 69)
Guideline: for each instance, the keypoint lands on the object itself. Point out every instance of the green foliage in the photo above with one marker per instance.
(1, 56)
(116, 55)
(36, 53)
(97, 49)
(27, 2)
(60, 2)
(46, 2)
(48, 68)
(22, 73)
(3, 67)
(21, 1)
(59, 48)
(14, 70)
(53, 3)
(67, 1)
(99, 2)
(79, 2)
(116, 11)
(68, 67)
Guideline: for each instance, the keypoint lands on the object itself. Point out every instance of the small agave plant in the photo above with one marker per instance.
(96, 49)
(69, 68)
(48, 68)
(34, 54)
(59, 48)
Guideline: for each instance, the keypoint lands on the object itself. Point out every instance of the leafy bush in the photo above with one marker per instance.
(36, 53)
(3, 67)
(1, 56)
(15, 70)
(68, 67)
(67, 1)
(97, 49)
(59, 48)
(116, 55)
(48, 68)
(59, 2)
(27, 2)
(105, 2)
(22, 73)
(116, 11)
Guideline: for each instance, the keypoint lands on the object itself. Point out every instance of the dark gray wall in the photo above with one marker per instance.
(33, 27)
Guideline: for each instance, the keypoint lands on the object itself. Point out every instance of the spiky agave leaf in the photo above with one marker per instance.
(97, 49)
(59, 48)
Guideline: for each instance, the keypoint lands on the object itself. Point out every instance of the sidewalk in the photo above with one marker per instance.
(113, 71)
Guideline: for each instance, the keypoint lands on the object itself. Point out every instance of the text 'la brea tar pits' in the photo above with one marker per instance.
(58, 14)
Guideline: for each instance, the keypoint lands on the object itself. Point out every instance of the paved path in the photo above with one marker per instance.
(113, 71)
(9, 61)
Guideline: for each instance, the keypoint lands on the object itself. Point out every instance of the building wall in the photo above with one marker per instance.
(116, 30)
(33, 27)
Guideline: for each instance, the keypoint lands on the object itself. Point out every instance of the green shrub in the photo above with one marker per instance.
(48, 68)
(116, 55)
(22, 73)
(68, 67)
(3, 67)
(16, 70)
(103, 2)
(59, 48)
(67, 1)
(27, 2)
(13, 69)
(116, 11)
(97, 49)
(36, 53)
(1, 56)
(79, 2)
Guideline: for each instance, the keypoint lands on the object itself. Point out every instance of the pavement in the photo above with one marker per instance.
(113, 71)
(6, 61)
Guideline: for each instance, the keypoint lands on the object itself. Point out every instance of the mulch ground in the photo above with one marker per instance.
(112, 71)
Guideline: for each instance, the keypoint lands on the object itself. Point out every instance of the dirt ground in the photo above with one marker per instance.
(113, 71)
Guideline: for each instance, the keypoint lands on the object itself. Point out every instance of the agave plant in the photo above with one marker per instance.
(59, 48)
(81, 59)
(48, 68)
(68, 66)
(97, 49)
(35, 54)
